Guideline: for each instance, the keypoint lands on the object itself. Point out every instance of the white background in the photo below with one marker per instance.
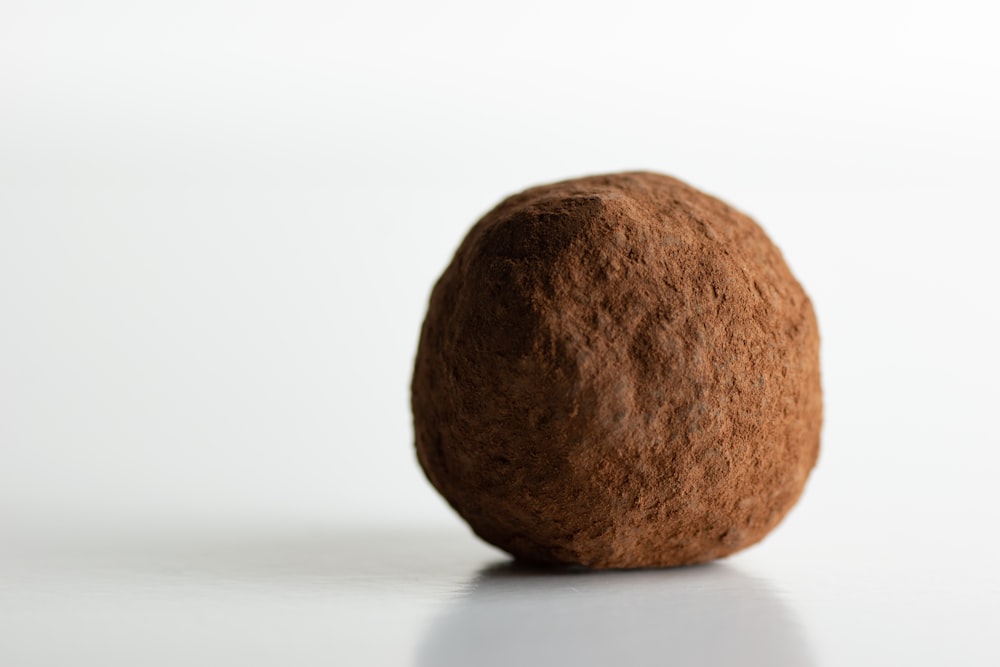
(220, 224)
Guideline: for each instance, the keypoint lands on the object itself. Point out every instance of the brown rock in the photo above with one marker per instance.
(618, 371)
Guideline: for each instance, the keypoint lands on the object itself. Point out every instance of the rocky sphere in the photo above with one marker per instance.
(618, 371)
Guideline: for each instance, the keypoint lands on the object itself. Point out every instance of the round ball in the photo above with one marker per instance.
(618, 371)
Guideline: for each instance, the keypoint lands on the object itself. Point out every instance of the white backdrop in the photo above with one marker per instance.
(220, 223)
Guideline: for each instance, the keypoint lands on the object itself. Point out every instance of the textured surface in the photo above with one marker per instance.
(618, 371)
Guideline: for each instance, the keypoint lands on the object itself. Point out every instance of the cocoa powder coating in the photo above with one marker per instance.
(618, 371)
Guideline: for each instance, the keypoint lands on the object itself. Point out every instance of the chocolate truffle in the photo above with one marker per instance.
(618, 371)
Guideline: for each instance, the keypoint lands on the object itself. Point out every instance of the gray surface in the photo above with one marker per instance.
(260, 595)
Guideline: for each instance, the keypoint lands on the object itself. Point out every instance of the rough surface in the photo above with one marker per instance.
(618, 371)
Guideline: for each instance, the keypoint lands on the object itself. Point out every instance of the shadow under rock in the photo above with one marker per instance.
(702, 615)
